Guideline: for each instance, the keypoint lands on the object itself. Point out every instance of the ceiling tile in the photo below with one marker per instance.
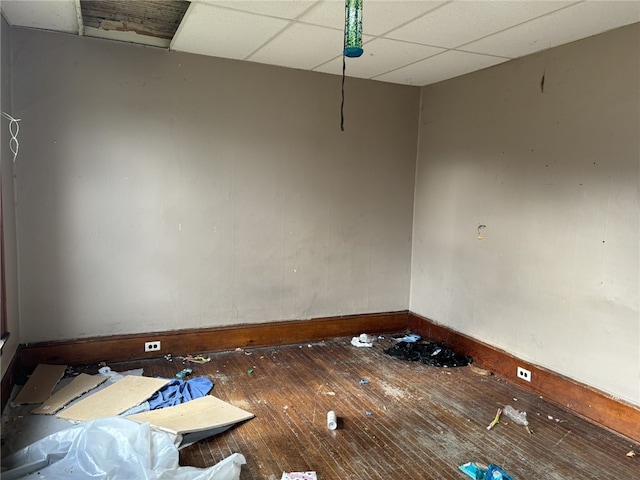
(378, 16)
(301, 46)
(573, 23)
(380, 56)
(206, 30)
(440, 67)
(275, 8)
(460, 22)
(326, 14)
(58, 15)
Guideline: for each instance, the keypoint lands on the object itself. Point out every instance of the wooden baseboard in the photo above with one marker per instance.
(7, 383)
(581, 399)
(181, 342)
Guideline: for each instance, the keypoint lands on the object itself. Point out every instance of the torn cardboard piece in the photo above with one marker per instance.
(114, 399)
(78, 386)
(40, 384)
(200, 415)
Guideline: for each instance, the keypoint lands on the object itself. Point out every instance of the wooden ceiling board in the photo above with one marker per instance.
(145, 17)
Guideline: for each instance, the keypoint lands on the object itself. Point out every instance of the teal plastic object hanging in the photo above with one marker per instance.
(353, 28)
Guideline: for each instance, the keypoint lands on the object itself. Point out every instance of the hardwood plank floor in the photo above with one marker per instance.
(410, 420)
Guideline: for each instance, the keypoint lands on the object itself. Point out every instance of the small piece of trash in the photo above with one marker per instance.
(168, 357)
(364, 382)
(299, 476)
(368, 414)
(363, 340)
(549, 417)
(410, 338)
(329, 393)
(238, 349)
(250, 371)
(496, 420)
(184, 373)
(479, 371)
(195, 359)
(631, 454)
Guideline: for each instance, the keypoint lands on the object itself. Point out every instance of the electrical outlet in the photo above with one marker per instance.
(152, 346)
(522, 373)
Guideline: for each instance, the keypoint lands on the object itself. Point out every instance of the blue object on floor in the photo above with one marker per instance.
(410, 338)
(494, 472)
(480, 472)
(473, 471)
(180, 391)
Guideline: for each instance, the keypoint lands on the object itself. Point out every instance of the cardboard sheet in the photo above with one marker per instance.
(203, 414)
(115, 399)
(78, 386)
(40, 384)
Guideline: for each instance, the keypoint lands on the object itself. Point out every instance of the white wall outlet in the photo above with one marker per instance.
(522, 373)
(152, 346)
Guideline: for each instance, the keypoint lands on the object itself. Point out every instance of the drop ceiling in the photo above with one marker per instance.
(405, 42)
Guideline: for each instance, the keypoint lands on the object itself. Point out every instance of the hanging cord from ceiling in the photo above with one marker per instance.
(14, 129)
(344, 68)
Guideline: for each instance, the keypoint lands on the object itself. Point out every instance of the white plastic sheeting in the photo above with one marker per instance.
(111, 448)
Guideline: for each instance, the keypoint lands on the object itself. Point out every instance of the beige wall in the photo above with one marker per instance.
(8, 206)
(554, 176)
(161, 190)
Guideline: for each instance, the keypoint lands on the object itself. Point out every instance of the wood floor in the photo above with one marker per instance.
(410, 421)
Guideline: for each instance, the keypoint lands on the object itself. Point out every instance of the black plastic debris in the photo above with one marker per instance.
(429, 353)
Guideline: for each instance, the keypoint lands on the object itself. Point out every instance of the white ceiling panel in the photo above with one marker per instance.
(207, 30)
(378, 16)
(301, 46)
(274, 8)
(380, 56)
(326, 14)
(59, 15)
(564, 26)
(460, 22)
(449, 64)
(382, 16)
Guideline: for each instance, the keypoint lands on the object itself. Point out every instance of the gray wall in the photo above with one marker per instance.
(159, 190)
(554, 177)
(8, 206)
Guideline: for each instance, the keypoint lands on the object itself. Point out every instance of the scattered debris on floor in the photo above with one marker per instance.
(364, 382)
(182, 409)
(429, 353)
(518, 417)
(200, 359)
(185, 372)
(496, 420)
(363, 340)
(631, 454)
(332, 420)
(299, 476)
(478, 471)
(480, 371)
(409, 338)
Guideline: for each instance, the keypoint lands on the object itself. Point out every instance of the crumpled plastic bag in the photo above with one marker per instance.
(111, 448)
